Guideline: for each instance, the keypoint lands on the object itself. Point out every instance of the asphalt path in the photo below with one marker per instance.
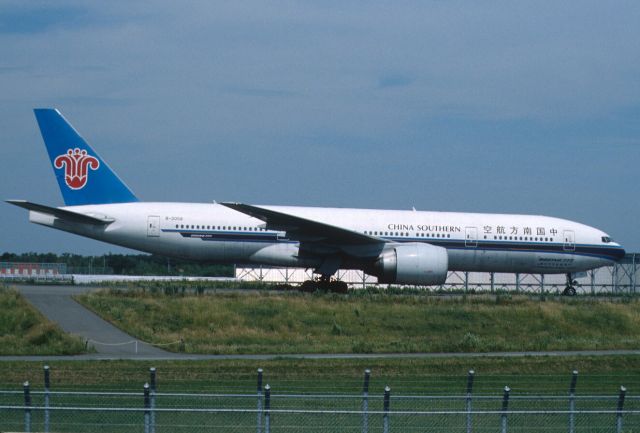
(57, 304)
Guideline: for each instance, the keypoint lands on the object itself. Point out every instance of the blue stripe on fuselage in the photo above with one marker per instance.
(600, 251)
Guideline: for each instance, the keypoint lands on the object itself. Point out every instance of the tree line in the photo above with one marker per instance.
(123, 264)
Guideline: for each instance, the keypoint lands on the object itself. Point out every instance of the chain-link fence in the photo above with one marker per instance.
(265, 410)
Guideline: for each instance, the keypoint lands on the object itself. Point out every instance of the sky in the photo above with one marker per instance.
(495, 106)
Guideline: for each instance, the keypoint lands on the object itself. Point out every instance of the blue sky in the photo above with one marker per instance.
(496, 106)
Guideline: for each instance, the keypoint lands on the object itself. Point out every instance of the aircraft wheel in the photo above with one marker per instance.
(309, 286)
(339, 287)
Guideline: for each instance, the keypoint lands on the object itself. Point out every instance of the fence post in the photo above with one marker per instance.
(634, 273)
(147, 412)
(27, 407)
(505, 408)
(572, 401)
(470, 377)
(153, 385)
(47, 385)
(385, 417)
(259, 420)
(623, 391)
(267, 409)
(365, 401)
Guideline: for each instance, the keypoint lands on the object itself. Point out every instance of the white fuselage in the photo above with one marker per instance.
(474, 242)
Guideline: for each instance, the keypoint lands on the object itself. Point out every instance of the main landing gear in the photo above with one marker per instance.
(324, 283)
(570, 289)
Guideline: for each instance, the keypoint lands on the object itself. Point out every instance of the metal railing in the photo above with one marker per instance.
(266, 411)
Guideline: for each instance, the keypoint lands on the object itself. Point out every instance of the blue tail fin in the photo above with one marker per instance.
(83, 177)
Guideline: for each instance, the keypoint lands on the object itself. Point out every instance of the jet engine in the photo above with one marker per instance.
(413, 263)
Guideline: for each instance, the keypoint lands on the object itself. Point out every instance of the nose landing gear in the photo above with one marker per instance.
(570, 289)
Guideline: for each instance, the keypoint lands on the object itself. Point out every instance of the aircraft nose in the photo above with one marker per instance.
(619, 253)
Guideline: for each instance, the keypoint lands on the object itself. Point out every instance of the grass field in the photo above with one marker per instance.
(292, 322)
(263, 322)
(24, 331)
(525, 375)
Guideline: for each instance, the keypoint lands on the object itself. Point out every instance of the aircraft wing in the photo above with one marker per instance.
(307, 231)
(62, 214)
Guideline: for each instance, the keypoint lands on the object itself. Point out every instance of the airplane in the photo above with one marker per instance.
(403, 247)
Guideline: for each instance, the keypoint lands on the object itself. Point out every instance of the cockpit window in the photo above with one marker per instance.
(606, 239)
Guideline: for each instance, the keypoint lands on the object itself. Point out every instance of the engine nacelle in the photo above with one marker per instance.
(413, 263)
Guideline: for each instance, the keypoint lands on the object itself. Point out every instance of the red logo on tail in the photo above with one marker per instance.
(76, 165)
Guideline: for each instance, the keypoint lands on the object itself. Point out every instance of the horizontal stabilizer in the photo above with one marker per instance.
(62, 214)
